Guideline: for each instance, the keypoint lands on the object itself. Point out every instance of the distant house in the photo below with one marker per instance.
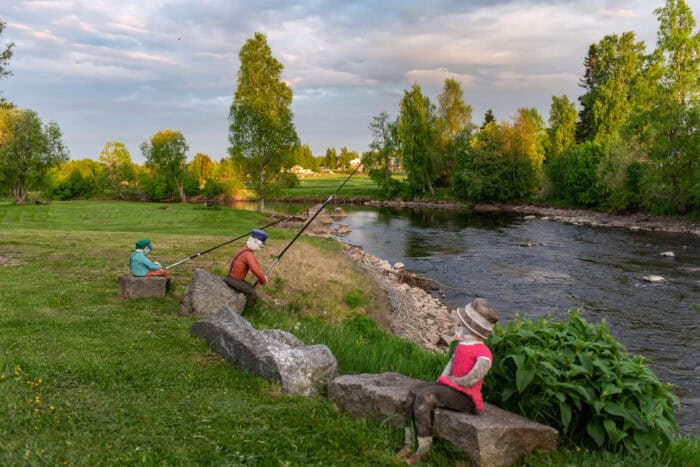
(355, 163)
(299, 170)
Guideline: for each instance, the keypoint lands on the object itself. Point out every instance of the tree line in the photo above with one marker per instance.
(632, 145)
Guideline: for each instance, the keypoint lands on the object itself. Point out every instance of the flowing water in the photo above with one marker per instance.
(538, 267)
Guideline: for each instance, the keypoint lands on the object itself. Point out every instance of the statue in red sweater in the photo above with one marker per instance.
(459, 386)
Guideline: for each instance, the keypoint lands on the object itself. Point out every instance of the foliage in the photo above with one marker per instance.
(417, 137)
(576, 377)
(119, 168)
(28, 150)
(489, 117)
(202, 168)
(287, 180)
(166, 154)
(573, 174)
(383, 147)
(75, 179)
(667, 124)
(330, 160)
(303, 157)
(261, 129)
(621, 176)
(561, 134)
(613, 66)
(453, 122)
(493, 168)
(5, 54)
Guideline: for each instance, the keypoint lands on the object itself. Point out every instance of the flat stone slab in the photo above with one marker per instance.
(272, 354)
(208, 293)
(141, 287)
(494, 437)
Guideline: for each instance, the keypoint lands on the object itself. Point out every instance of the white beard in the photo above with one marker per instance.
(254, 244)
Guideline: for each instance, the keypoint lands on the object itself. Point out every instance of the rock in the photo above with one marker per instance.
(382, 396)
(487, 208)
(668, 254)
(399, 266)
(530, 217)
(342, 229)
(338, 213)
(141, 287)
(653, 278)
(208, 293)
(494, 437)
(272, 354)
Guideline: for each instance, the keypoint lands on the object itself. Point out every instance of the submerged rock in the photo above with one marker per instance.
(668, 254)
(338, 213)
(653, 278)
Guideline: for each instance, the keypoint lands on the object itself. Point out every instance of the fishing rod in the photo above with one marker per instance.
(224, 244)
(308, 222)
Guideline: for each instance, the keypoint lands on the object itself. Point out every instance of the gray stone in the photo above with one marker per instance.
(494, 437)
(338, 213)
(272, 354)
(653, 278)
(141, 287)
(667, 254)
(208, 293)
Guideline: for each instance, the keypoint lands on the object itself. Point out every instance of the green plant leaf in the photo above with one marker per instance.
(524, 375)
(596, 432)
(565, 414)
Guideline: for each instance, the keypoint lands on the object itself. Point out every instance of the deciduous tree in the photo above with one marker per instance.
(166, 153)
(418, 137)
(5, 54)
(383, 147)
(261, 128)
(562, 126)
(117, 160)
(27, 150)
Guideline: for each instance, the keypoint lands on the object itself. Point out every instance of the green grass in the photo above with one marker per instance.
(321, 186)
(89, 379)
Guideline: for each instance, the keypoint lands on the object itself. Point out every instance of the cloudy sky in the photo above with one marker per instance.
(122, 70)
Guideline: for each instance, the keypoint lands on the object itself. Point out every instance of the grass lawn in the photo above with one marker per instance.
(89, 379)
(320, 187)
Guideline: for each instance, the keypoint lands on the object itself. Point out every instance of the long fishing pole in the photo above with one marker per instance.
(308, 222)
(223, 244)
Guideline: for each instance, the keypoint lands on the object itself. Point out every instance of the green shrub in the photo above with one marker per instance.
(573, 175)
(576, 377)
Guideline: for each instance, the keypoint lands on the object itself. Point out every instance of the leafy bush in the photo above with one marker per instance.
(573, 175)
(287, 180)
(492, 168)
(73, 186)
(576, 377)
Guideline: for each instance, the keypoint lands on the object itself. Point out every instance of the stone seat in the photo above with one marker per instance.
(141, 287)
(494, 437)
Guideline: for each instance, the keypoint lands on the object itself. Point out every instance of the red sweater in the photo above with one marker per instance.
(463, 361)
(243, 261)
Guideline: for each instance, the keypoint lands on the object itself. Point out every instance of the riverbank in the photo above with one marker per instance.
(635, 221)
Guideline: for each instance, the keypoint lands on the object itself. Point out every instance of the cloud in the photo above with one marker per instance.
(436, 77)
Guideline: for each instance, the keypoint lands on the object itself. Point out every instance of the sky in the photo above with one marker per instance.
(122, 70)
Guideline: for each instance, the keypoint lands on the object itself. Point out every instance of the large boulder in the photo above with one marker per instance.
(142, 287)
(272, 354)
(494, 437)
(208, 293)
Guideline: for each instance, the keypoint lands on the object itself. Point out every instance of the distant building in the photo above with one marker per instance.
(355, 163)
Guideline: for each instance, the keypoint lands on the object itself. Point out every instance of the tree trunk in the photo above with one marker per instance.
(19, 192)
(261, 201)
(181, 190)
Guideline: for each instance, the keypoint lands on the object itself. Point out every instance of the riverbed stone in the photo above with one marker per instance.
(275, 355)
(667, 254)
(142, 287)
(653, 278)
(208, 293)
(338, 213)
(495, 437)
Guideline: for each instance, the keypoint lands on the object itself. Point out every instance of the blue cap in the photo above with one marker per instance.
(259, 235)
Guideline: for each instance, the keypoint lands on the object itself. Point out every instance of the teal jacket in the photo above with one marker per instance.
(140, 264)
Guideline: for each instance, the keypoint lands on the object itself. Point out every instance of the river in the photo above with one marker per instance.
(537, 267)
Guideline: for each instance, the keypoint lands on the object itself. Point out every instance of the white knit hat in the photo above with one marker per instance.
(478, 317)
